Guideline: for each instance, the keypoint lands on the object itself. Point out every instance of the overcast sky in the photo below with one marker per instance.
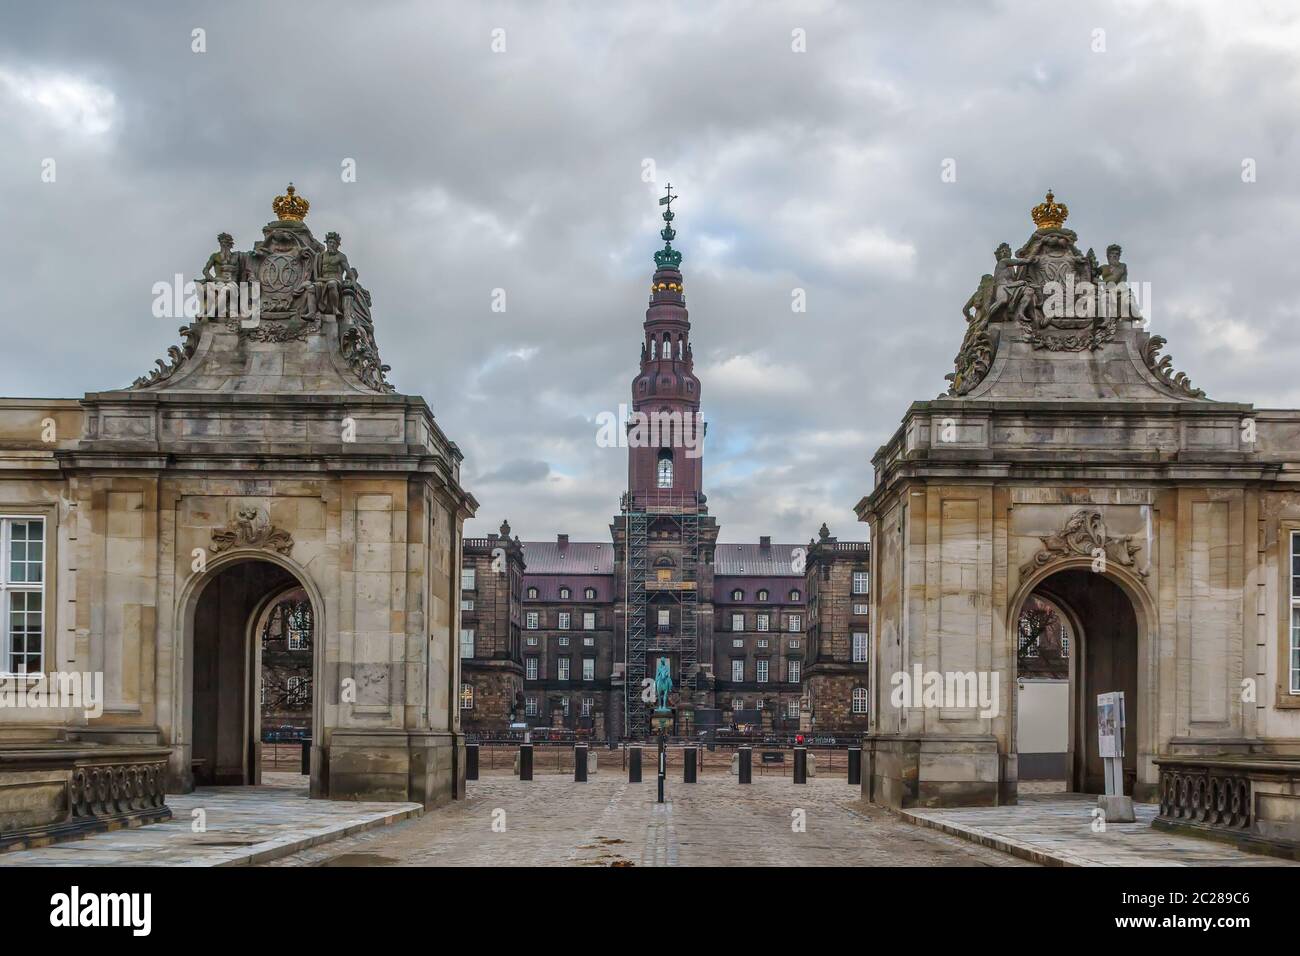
(523, 169)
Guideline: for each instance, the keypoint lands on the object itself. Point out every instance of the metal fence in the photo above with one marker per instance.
(772, 759)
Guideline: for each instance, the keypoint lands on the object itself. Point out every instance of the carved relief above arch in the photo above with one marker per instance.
(1085, 534)
(251, 528)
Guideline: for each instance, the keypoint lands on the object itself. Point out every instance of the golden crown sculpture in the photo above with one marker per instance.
(290, 208)
(1049, 214)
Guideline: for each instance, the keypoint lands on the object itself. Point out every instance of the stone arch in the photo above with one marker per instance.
(186, 607)
(1049, 582)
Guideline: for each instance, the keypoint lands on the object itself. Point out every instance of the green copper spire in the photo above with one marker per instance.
(668, 257)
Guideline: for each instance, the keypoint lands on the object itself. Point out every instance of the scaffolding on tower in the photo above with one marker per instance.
(642, 586)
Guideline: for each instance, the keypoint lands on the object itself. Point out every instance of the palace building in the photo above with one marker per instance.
(564, 633)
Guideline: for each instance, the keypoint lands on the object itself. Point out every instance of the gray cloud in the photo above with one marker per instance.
(522, 171)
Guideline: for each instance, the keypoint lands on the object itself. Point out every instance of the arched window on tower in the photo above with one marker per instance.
(681, 348)
(666, 468)
(668, 346)
(654, 349)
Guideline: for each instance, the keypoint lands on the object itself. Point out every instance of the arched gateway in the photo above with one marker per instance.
(267, 456)
(1068, 461)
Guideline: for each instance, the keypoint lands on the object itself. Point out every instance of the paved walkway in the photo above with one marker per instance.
(552, 821)
(1057, 830)
(243, 825)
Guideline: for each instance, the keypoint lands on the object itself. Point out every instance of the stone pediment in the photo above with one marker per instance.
(288, 316)
(1052, 323)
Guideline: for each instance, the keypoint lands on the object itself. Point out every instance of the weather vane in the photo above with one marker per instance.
(668, 257)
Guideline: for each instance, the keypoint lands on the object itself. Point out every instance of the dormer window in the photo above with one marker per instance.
(762, 595)
(738, 595)
(532, 594)
(564, 594)
(590, 594)
(795, 595)
(665, 471)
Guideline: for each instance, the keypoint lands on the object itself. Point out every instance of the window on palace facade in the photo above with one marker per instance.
(762, 622)
(762, 671)
(762, 595)
(1295, 612)
(563, 641)
(467, 579)
(562, 672)
(859, 700)
(861, 609)
(859, 647)
(792, 709)
(586, 706)
(737, 642)
(564, 594)
(794, 644)
(466, 642)
(531, 621)
(758, 704)
(589, 620)
(590, 594)
(738, 671)
(22, 594)
(665, 617)
(762, 642)
(738, 595)
(588, 668)
(588, 642)
(466, 696)
(859, 582)
(467, 604)
(530, 668)
(532, 594)
(738, 703)
(532, 642)
(564, 706)
(795, 666)
(530, 706)
(665, 468)
(795, 623)
(795, 595)
(737, 622)
(563, 621)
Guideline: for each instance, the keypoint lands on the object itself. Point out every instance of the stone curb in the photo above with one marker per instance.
(270, 850)
(993, 841)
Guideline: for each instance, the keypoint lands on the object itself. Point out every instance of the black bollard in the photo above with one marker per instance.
(525, 761)
(800, 764)
(746, 764)
(471, 761)
(633, 764)
(580, 763)
(855, 766)
(688, 764)
(663, 767)
(306, 756)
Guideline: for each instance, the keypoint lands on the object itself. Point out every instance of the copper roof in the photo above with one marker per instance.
(577, 557)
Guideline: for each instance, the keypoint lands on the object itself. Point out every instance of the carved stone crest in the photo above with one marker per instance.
(1084, 535)
(1163, 368)
(251, 528)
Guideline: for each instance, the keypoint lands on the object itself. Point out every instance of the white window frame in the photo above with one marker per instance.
(760, 673)
(562, 668)
(794, 624)
(588, 620)
(737, 622)
(860, 582)
(466, 604)
(762, 622)
(737, 642)
(563, 641)
(792, 708)
(466, 699)
(1293, 646)
(466, 640)
(738, 662)
(589, 668)
(468, 579)
(530, 668)
(530, 621)
(588, 642)
(590, 594)
(796, 670)
(861, 647)
(565, 594)
(665, 617)
(530, 705)
(762, 643)
(737, 703)
(586, 706)
(738, 595)
(859, 700)
(562, 622)
(9, 588)
(532, 640)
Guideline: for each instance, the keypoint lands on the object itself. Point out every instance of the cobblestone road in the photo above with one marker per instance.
(553, 821)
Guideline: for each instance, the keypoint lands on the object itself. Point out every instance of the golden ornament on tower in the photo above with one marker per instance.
(1050, 214)
(290, 207)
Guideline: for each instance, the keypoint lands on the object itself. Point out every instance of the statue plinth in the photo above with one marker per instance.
(662, 719)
